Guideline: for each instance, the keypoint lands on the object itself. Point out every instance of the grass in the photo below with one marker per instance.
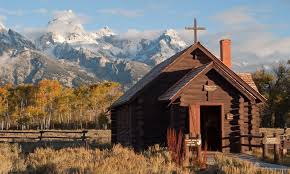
(270, 157)
(115, 160)
(82, 160)
(11, 159)
(229, 165)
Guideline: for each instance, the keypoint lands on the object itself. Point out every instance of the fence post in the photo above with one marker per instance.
(264, 146)
(284, 139)
(186, 150)
(40, 137)
(276, 149)
(84, 135)
(198, 149)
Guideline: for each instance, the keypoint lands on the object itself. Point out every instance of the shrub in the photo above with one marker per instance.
(111, 161)
(11, 160)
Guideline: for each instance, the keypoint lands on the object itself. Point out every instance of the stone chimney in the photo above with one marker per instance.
(225, 49)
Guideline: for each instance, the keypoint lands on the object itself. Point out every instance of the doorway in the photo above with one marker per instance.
(210, 127)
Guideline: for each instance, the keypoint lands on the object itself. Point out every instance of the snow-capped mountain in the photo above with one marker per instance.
(21, 62)
(65, 28)
(13, 42)
(157, 50)
(67, 52)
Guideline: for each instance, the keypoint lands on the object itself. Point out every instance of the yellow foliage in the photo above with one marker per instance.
(49, 102)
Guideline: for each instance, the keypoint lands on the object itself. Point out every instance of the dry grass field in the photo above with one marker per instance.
(114, 160)
(97, 155)
(227, 165)
(86, 161)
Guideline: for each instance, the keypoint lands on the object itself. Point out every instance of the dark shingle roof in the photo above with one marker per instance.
(155, 72)
(172, 91)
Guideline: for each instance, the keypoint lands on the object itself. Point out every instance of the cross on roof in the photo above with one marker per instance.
(195, 28)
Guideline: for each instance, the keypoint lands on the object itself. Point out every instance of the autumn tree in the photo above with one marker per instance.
(275, 86)
(48, 104)
(4, 116)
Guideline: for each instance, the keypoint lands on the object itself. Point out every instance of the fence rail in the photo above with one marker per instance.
(44, 135)
(280, 143)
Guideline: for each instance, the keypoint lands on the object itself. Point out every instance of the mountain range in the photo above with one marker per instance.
(65, 51)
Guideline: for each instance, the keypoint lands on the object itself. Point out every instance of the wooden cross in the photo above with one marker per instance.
(195, 28)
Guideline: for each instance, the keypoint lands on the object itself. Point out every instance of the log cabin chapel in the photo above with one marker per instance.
(195, 92)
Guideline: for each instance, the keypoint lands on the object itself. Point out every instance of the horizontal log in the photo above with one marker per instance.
(18, 132)
(66, 132)
(252, 136)
(252, 145)
(14, 137)
(62, 137)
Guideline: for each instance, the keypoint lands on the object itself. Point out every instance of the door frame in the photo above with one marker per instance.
(194, 118)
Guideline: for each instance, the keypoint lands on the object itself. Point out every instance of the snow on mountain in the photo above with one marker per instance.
(21, 62)
(123, 71)
(166, 45)
(104, 32)
(67, 27)
(67, 52)
(12, 42)
(31, 66)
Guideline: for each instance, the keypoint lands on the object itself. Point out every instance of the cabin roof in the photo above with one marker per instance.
(173, 92)
(247, 77)
(151, 75)
(242, 80)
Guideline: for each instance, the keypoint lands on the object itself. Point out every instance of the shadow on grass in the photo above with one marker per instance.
(29, 147)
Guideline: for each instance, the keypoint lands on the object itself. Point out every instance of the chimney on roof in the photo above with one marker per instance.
(225, 49)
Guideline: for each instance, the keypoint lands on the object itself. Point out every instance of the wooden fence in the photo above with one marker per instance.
(43, 135)
(279, 143)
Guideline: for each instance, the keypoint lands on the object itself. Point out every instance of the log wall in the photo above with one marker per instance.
(231, 99)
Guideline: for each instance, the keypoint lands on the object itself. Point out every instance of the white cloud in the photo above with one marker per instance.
(121, 12)
(137, 34)
(68, 16)
(188, 35)
(12, 12)
(4, 59)
(33, 33)
(63, 22)
(2, 21)
(2, 18)
(67, 21)
(42, 11)
(253, 43)
(238, 15)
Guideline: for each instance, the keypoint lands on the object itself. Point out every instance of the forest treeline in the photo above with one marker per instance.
(275, 86)
(48, 105)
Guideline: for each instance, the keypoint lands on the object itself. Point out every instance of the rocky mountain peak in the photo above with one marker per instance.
(67, 17)
(171, 36)
(106, 31)
(66, 26)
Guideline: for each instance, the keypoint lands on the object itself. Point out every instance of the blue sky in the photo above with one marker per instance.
(259, 29)
(145, 15)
